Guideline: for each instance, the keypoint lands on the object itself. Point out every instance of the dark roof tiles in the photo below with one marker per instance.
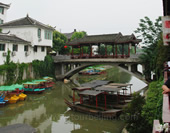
(106, 38)
(26, 21)
(12, 39)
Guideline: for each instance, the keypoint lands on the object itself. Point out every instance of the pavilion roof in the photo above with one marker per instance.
(108, 89)
(90, 93)
(105, 38)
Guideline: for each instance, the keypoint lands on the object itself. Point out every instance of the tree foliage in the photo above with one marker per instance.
(145, 110)
(136, 122)
(77, 35)
(59, 41)
(154, 52)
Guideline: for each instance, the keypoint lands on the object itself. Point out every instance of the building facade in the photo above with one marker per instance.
(37, 34)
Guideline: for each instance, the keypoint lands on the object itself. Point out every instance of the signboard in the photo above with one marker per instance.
(166, 29)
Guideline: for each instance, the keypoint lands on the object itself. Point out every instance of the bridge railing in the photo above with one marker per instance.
(61, 57)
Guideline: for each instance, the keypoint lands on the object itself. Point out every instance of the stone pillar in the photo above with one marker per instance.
(129, 67)
(59, 69)
(71, 66)
(62, 69)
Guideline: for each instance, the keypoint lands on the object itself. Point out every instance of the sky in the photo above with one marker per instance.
(92, 16)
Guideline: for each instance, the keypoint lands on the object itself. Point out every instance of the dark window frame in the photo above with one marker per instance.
(15, 47)
(26, 48)
(39, 33)
(2, 47)
(2, 10)
(42, 48)
(35, 48)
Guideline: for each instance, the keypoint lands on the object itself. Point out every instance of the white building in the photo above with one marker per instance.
(37, 34)
(3, 12)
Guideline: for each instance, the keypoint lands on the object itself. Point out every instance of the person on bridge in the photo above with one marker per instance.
(166, 87)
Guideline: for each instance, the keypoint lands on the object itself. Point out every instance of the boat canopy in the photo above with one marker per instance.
(108, 89)
(90, 93)
(39, 81)
(96, 83)
(30, 83)
(81, 88)
(10, 88)
(119, 84)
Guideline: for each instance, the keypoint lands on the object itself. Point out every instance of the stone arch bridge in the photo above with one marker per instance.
(65, 67)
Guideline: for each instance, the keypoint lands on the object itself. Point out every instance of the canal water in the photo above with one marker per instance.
(48, 113)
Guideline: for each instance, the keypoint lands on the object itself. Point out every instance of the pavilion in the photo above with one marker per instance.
(120, 44)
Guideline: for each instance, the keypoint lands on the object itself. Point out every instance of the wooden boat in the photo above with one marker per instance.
(91, 110)
(32, 88)
(105, 101)
(44, 83)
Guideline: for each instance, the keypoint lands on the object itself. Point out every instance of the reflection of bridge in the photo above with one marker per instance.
(67, 67)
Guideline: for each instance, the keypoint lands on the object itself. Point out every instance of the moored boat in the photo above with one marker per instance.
(12, 99)
(32, 88)
(22, 97)
(106, 101)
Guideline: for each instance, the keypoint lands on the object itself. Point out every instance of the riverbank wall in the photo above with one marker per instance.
(9, 76)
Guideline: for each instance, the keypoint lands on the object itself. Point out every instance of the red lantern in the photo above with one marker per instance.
(65, 46)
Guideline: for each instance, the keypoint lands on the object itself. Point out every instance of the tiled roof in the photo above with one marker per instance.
(12, 39)
(4, 5)
(26, 21)
(106, 38)
(68, 35)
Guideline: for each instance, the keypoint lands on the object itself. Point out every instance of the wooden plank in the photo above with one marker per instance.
(156, 122)
(166, 108)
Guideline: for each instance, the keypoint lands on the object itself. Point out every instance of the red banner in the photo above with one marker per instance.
(167, 24)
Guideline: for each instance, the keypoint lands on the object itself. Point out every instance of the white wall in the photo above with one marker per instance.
(29, 34)
(20, 54)
(3, 16)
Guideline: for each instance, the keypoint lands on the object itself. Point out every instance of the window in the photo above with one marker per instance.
(39, 33)
(42, 49)
(2, 10)
(35, 48)
(15, 47)
(1, 21)
(48, 35)
(26, 48)
(2, 47)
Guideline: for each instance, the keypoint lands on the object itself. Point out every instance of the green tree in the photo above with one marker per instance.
(78, 35)
(154, 52)
(59, 41)
(136, 123)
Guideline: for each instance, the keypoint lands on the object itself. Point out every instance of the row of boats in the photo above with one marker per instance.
(93, 71)
(17, 92)
(100, 98)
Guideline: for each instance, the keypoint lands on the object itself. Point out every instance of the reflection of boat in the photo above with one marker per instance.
(105, 101)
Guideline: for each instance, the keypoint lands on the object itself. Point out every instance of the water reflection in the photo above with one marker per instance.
(49, 114)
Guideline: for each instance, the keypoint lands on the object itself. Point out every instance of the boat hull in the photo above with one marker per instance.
(103, 114)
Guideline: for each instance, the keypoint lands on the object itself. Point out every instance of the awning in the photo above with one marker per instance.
(90, 93)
